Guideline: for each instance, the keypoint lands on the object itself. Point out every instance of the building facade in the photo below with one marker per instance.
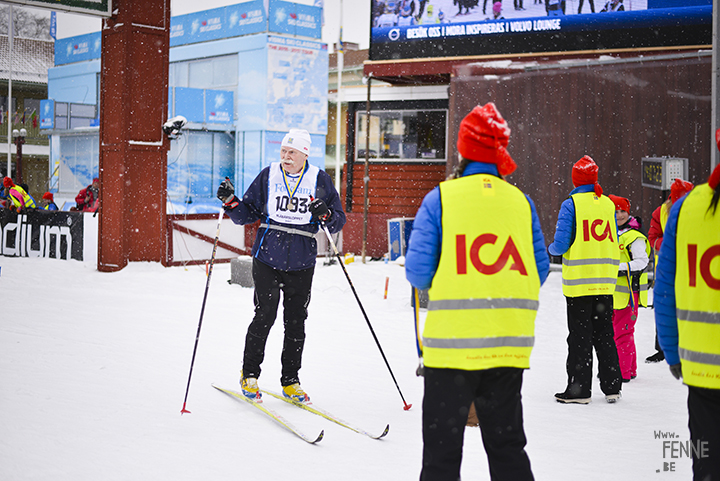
(241, 75)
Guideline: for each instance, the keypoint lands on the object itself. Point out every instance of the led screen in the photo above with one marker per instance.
(451, 28)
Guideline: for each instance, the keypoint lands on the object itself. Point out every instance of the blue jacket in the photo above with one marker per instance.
(664, 289)
(423, 254)
(278, 249)
(565, 227)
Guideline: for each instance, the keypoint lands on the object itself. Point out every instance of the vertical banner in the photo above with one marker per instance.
(297, 85)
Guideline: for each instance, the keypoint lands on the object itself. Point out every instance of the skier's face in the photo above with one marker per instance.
(621, 217)
(292, 160)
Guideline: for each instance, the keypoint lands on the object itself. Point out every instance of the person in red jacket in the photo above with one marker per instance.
(655, 235)
(88, 198)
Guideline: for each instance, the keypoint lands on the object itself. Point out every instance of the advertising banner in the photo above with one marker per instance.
(47, 114)
(452, 28)
(78, 49)
(41, 233)
(295, 19)
(232, 21)
(297, 89)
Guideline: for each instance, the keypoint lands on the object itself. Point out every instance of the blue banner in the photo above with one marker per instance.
(295, 19)
(78, 49)
(232, 21)
(219, 106)
(47, 114)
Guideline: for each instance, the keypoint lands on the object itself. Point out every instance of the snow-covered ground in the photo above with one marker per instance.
(94, 366)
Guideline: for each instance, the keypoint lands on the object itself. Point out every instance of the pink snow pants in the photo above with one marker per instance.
(624, 326)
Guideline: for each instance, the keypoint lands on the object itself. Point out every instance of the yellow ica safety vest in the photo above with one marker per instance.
(697, 289)
(485, 292)
(621, 297)
(590, 266)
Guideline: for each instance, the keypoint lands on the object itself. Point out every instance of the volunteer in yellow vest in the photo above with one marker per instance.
(586, 238)
(483, 293)
(634, 259)
(687, 314)
(655, 235)
(21, 200)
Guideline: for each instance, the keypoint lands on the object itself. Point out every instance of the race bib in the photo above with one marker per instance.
(289, 196)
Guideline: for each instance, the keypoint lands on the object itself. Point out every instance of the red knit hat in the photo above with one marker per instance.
(714, 178)
(621, 203)
(679, 188)
(48, 196)
(8, 182)
(483, 137)
(584, 172)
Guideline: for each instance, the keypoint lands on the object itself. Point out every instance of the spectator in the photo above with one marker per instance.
(655, 235)
(479, 331)
(88, 199)
(612, 6)
(687, 314)
(634, 259)
(284, 253)
(47, 202)
(586, 237)
(21, 200)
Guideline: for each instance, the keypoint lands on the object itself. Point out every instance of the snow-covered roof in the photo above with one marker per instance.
(31, 59)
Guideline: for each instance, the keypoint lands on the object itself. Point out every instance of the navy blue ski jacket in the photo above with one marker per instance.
(282, 250)
(425, 244)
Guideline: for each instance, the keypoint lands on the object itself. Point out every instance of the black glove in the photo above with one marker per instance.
(676, 370)
(319, 210)
(226, 191)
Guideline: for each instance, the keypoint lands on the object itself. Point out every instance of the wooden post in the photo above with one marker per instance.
(133, 148)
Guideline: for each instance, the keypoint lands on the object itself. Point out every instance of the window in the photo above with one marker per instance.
(79, 160)
(216, 73)
(196, 169)
(403, 135)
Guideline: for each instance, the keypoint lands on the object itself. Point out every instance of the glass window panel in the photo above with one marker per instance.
(225, 71)
(79, 160)
(403, 135)
(223, 157)
(82, 110)
(200, 74)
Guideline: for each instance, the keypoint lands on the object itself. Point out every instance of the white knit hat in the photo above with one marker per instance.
(298, 139)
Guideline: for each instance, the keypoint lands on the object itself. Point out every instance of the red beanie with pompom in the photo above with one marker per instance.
(584, 172)
(621, 203)
(483, 137)
(48, 196)
(8, 182)
(679, 188)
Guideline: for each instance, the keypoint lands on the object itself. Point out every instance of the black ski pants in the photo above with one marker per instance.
(295, 287)
(590, 325)
(704, 411)
(498, 403)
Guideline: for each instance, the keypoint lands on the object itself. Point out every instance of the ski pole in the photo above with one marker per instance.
(347, 276)
(202, 309)
(420, 371)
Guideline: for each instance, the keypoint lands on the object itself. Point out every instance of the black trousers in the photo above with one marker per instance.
(295, 287)
(498, 403)
(704, 412)
(590, 326)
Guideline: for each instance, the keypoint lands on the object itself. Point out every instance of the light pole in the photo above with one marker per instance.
(19, 139)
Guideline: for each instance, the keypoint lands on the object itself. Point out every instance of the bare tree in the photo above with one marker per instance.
(26, 23)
